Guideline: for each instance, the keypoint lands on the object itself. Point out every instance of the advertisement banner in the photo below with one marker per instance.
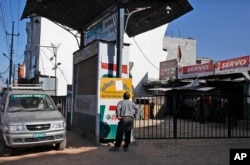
(193, 71)
(105, 30)
(235, 65)
(113, 88)
(168, 69)
(111, 92)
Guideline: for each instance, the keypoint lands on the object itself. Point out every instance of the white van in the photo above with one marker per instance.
(29, 117)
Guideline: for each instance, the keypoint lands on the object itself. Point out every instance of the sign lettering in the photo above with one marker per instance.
(240, 156)
(234, 63)
(197, 68)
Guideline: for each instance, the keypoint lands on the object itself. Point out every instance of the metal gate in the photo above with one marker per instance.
(60, 100)
(179, 115)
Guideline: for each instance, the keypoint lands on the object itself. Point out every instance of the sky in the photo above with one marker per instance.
(221, 29)
(11, 11)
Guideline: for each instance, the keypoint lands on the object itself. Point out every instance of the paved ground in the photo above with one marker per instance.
(147, 152)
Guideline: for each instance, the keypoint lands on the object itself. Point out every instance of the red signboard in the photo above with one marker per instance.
(198, 70)
(208, 67)
(168, 69)
(234, 65)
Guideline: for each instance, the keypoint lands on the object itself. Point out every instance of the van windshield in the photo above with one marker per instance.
(30, 102)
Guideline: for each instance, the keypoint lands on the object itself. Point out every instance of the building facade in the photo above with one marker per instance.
(48, 55)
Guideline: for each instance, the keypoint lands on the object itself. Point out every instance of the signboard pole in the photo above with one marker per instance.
(119, 41)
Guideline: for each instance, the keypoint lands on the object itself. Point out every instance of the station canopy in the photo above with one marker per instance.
(81, 15)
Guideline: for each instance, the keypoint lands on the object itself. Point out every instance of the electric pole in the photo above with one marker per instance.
(11, 52)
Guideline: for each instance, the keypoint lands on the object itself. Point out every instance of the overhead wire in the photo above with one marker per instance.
(63, 74)
(44, 69)
(2, 18)
(16, 21)
(18, 26)
(3, 23)
(42, 60)
(10, 12)
(144, 54)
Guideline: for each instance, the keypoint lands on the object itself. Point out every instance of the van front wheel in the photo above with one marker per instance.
(4, 150)
(62, 145)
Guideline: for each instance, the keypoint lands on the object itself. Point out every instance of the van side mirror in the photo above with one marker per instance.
(1, 108)
(59, 106)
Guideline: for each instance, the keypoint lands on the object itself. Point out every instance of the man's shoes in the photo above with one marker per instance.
(125, 149)
(114, 149)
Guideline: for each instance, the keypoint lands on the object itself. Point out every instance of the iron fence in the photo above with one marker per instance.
(178, 115)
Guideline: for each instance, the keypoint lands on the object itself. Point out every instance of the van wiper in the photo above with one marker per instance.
(33, 110)
(16, 110)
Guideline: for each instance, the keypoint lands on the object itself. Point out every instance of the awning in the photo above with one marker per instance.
(194, 85)
(202, 89)
(82, 14)
(161, 89)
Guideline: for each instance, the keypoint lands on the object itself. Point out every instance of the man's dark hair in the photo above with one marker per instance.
(126, 96)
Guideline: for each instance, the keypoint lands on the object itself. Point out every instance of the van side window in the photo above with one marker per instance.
(3, 100)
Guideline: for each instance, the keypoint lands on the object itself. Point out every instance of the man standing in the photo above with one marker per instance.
(126, 111)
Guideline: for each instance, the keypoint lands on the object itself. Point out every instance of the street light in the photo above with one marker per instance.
(129, 15)
(55, 68)
(55, 49)
(121, 29)
(10, 72)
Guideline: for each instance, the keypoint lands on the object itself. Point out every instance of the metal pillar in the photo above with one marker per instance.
(119, 41)
(55, 49)
(11, 53)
